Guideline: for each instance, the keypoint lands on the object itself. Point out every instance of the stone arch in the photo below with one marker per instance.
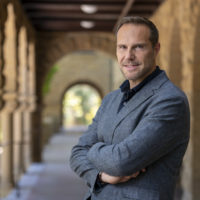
(80, 66)
(79, 82)
(55, 46)
(175, 60)
(96, 87)
(91, 67)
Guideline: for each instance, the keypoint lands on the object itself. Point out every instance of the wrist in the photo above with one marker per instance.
(100, 177)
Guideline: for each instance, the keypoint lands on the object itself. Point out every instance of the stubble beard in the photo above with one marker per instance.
(138, 75)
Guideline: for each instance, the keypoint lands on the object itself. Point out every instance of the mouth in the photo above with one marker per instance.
(131, 66)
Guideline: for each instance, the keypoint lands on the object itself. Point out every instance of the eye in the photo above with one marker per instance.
(121, 47)
(139, 46)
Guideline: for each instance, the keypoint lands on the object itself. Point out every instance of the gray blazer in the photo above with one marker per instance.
(151, 131)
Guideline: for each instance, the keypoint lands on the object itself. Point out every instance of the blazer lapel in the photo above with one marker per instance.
(141, 96)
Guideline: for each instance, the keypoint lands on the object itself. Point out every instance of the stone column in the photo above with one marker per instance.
(6, 158)
(17, 145)
(30, 92)
(9, 100)
(19, 119)
(1, 67)
(6, 123)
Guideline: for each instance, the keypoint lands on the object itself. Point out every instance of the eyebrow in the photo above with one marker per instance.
(139, 43)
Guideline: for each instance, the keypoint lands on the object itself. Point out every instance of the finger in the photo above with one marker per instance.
(135, 175)
(143, 170)
(125, 179)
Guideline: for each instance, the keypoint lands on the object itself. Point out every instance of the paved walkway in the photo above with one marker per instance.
(57, 182)
(52, 179)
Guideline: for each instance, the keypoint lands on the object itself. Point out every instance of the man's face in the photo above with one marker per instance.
(135, 53)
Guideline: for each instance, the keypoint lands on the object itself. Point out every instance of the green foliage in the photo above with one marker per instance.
(80, 105)
(48, 79)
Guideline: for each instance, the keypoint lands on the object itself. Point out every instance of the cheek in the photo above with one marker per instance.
(146, 57)
(119, 58)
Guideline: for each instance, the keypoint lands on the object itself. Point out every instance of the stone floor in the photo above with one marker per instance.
(52, 179)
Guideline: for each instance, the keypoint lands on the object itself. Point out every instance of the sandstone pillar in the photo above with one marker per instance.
(9, 100)
(19, 119)
(6, 158)
(31, 100)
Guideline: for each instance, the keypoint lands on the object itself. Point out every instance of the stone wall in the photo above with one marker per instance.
(89, 67)
(53, 46)
(179, 26)
(178, 22)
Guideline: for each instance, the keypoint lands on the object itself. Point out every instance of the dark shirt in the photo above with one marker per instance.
(129, 93)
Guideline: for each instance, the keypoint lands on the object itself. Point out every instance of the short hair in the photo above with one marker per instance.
(154, 34)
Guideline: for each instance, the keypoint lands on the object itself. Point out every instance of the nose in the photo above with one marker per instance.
(130, 54)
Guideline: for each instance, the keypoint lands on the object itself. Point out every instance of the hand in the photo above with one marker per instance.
(106, 178)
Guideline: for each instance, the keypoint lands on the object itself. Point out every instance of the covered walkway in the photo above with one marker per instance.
(52, 179)
(38, 66)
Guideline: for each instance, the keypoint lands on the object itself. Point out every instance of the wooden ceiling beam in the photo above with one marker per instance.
(75, 1)
(67, 7)
(114, 2)
(69, 26)
(75, 7)
(71, 16)
(124, 12)
(65, 15)
(143, 8)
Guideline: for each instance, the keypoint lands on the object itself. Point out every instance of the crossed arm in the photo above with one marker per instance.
(85, 168)
(106, 178)
(154, 137)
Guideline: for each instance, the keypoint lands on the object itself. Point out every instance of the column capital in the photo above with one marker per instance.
(32, 103)
(9, 101)
(22, 103)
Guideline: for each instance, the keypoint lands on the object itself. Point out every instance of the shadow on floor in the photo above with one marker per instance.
(53, 179)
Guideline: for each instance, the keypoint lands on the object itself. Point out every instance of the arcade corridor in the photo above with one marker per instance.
(52, 179)
(46, 48)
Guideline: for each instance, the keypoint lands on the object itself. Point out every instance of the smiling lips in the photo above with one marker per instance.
(131, 66)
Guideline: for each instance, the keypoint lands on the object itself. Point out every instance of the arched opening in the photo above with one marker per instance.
(91, 67)
(80, 104)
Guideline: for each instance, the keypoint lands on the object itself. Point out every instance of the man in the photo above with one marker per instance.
(136, 143)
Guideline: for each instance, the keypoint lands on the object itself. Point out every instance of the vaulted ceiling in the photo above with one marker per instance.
(82, 15)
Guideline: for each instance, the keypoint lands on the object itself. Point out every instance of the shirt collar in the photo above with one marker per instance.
(125, 86)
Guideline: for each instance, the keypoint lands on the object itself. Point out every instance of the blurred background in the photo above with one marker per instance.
(57, 62)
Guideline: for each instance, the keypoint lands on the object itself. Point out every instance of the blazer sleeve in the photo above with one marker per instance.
(164, 127)
(78, 159)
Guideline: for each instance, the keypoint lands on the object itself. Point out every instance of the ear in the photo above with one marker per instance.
(157, 48)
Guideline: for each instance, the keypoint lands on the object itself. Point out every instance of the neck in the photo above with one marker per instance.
(134, 83)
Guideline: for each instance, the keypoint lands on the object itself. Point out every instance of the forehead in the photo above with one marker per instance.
(131, 32)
